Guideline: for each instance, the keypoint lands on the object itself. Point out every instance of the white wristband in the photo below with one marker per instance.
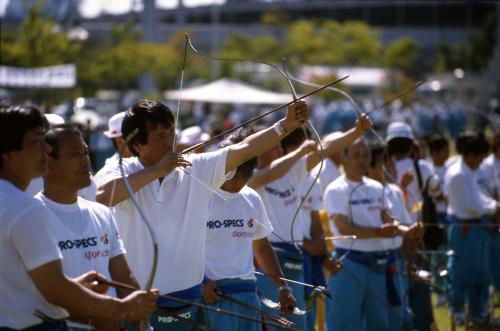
(279, 129)
(285, 288)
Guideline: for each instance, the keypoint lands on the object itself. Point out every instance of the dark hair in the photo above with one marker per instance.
(377, 154)
(143, 112)
(437, 142)
(15, 121)
(474, 143)
(294, 139)
(54, 135)
(245, 169)
(399, 145)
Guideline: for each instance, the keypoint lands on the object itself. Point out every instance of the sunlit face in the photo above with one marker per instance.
(31, 161)
(71, 167)
(357, 159)
(160, 142)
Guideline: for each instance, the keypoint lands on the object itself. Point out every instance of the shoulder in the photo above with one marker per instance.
(338, 184)
(373, 184)
(96, 207)
(250, 194)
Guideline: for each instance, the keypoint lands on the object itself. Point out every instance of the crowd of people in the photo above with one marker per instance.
(175, 232)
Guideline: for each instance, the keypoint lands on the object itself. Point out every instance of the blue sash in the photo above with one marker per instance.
(313, 271)
(287, 250)
(232, 286)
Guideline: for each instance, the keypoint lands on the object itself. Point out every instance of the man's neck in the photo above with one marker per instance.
(60, 194)
(354, 177)
(19, 182)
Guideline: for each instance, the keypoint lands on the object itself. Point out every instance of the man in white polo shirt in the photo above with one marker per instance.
(357, 206)
(176, 200)
(31, 276)
(85, 230)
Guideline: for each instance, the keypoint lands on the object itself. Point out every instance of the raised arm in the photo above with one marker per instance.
(278, 168)
(115, 191)
(262, 141)
(335, 145)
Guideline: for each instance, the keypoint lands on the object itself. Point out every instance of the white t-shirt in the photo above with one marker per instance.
(328, 174)
(465, 198)
(109, 166)
(177, 209)
(413, 189)
(27, 241)
(89, 192)
(231, 227)
(314, 202)
(489, 176)
(86, 234)
(398, 210)
(366, 201)
(281, 199)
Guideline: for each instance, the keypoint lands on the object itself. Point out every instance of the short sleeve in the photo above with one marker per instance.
(117, 247)
(264, 227)
(33, 234)
(316, 196)
(336, 199)
(210, 167)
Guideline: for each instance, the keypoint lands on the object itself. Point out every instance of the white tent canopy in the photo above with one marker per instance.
(229, 91)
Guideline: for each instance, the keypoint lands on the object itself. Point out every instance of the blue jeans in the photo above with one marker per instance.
(225, 322)
(292, 265)
(354, 307)
(469, 267)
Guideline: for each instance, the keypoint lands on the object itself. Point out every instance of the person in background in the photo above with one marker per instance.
(413, 178)
(469, 268)
(439, 149)
(190, 137)
(489, 180)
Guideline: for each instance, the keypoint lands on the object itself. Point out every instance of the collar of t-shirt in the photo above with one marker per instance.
(62, 207)
(228, 195)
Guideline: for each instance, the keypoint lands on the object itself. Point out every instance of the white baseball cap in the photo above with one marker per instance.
(115, 126)
(192, 136)
(54, 119)
(398, 130)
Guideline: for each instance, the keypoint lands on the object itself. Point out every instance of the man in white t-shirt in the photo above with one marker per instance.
(31, 275)
(357, 206)
(469, 269)
(278, 181)
(237, 229)
(174, 199)
(85, 230)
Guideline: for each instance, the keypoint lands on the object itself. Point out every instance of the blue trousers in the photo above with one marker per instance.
(495, 260)
(292, 267)
(400, 317)
(470, 267)
(163, 321)
(229, 323)
(353, 307)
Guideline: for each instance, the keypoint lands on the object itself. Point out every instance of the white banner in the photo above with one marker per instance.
(53, 77)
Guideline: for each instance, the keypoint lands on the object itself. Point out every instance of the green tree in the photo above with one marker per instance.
(401, 55)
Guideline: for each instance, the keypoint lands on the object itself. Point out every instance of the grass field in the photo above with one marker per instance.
(443, 319)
